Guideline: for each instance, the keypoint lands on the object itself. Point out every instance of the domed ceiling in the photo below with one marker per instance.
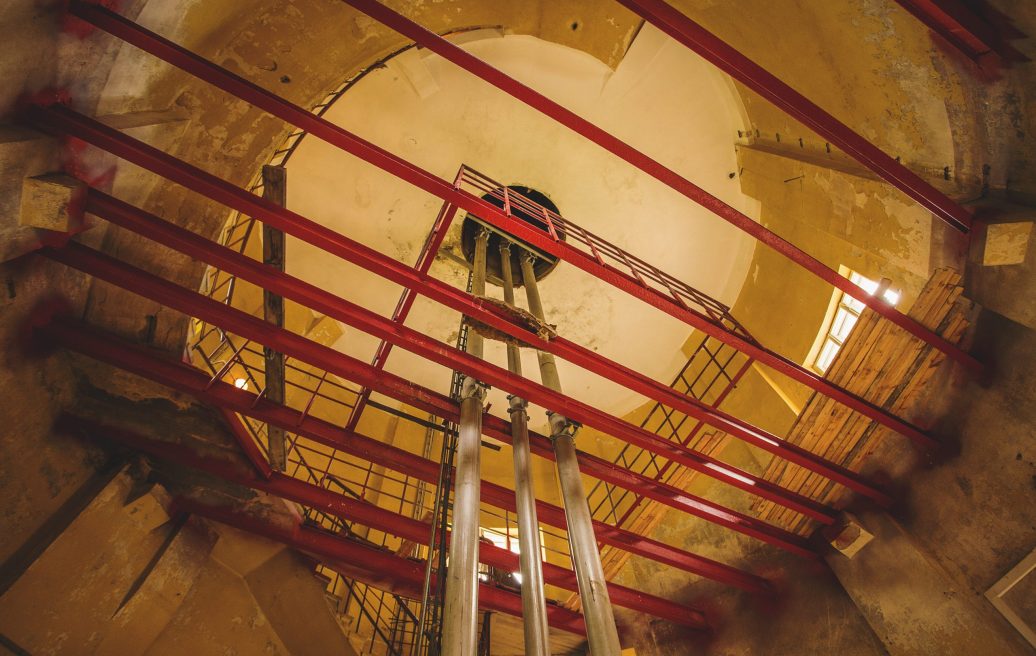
(661, 99)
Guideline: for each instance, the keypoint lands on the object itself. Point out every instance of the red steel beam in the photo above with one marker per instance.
(960, 26)
(339, 137)
(292, 345)
(707, 45)
(247, 444)
(375, 567)
(406, 300)
(63, 121)
(379, 264)
(612, 144)
(233, 320)
(722, 56)
(189, 380)
(371, 515)
(184, 241)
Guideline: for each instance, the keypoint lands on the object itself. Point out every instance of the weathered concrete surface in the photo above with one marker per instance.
(39, 471)
(1006, 285)
(294, 602)
(810, 614)
(911, 602)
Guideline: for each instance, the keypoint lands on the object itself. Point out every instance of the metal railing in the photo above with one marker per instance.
(605, 253)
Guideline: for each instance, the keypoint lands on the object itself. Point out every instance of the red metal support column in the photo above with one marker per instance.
(324, 357)
(368, 514)
(326, 303)
(337, 136)
(406, 300)
(184, 378)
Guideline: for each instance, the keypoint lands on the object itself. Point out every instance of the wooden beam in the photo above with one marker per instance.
(275, 189)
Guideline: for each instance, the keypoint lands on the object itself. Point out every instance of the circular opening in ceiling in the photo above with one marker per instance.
(528, 205)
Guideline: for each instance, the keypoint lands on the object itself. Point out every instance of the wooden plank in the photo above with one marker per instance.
(882, 363)
(275, 189)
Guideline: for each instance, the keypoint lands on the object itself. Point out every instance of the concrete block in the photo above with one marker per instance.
(1007, 243)
(48, 202)
(851, 537)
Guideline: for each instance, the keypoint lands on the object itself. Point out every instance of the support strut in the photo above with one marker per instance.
(460, 612)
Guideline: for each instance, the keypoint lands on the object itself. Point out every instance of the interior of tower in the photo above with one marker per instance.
(478, 328)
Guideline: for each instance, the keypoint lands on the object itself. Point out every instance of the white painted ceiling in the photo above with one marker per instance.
(661, 98)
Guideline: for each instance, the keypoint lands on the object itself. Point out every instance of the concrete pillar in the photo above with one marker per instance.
(912, 603)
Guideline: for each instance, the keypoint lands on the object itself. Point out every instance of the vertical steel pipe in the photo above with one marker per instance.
(586, 559)
(514, 359)
(534, 605)
(460, 612)
(548, 367)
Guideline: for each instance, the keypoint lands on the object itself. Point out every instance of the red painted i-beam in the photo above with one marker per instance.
(189, 380)
(963, 28)
(292, 345)
(63, 121)
(376, 567)
(681, 28)
(324, 302)
(341, 138)
(371, 515)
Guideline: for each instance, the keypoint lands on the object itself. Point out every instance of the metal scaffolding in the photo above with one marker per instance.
(373, 502)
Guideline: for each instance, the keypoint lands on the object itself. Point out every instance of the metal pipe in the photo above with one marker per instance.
(586, 559)
(514, 359)
(537, 637)
(478, 287)
(460, 612)
(548, 366)
(460, 615)
(601, 632)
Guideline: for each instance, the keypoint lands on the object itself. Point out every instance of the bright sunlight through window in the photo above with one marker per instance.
(842, 317)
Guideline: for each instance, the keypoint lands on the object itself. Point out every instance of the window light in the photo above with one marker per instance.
(841, 318)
